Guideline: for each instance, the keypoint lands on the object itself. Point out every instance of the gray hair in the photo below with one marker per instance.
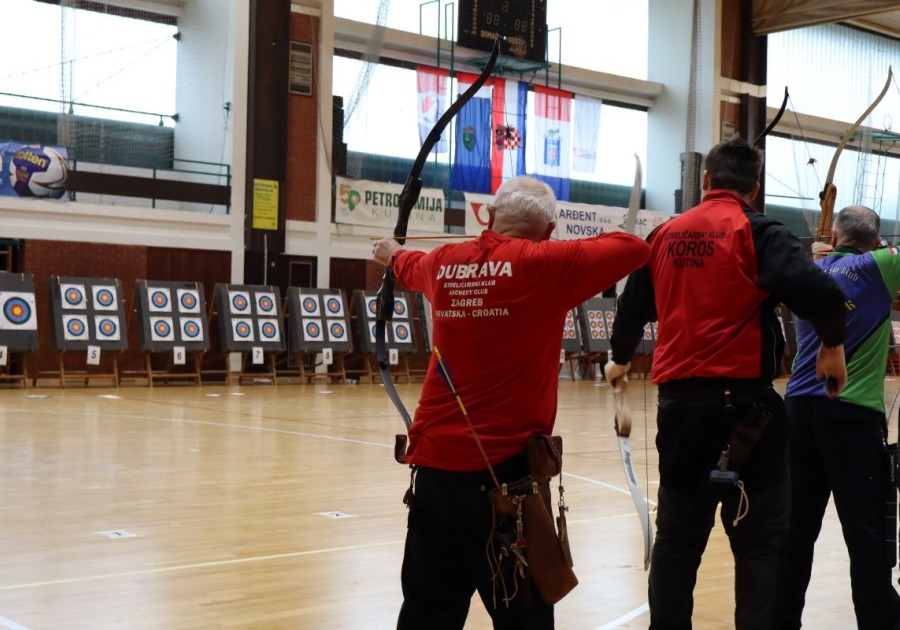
(526, 201)
(858, 226)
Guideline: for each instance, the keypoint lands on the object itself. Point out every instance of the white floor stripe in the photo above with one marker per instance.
(607, 485)
(10, 624)
(199, 565)
(616, 623)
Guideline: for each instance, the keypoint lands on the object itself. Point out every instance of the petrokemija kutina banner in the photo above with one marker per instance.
(33, 170)
(375, 204)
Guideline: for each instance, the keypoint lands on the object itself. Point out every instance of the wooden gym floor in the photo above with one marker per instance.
(279, 507)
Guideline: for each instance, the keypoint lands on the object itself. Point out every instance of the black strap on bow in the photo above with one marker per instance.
(408, 199)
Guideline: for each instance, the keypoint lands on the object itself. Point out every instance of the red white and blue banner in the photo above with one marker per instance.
(587, 133)
(474, 137)
(432, 100)
(508, 108)
(33, 170)
(552, 143)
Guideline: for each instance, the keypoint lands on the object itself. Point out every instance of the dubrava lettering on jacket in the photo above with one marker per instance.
(490, 269)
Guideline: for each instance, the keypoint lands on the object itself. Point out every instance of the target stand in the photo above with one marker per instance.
(400, 335)
(173, 329)
(18, 326)
(318, 326)
(88, 316)
(250, 322)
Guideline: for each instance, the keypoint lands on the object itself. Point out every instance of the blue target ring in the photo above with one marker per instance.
(402, 332)
(191, 329)
(105, 297)
(399, 308)
(188, 301)
(337, 330)
(269, 330)
(266, 304)
(239, 302)
(310, 304)
(73, 296)
(75, 327)
(373, 307)
(108, 327)
(333, 305)
(162, 328)
(159, 299)
(313, 330)
(16, 310)
(243, 330)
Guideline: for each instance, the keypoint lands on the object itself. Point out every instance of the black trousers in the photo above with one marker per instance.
(445, 559)
(837, 449)
(693, 428)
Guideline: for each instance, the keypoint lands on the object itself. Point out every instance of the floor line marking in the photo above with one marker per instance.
(10, 624)
(200, 565)
(616, 623)
(606, 485)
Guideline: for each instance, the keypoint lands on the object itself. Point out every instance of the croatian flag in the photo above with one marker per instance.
(552, 142)
(432, 93)
(508, 122)
(472, 160)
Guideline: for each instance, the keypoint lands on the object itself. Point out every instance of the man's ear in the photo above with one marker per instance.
(704, 181)
(754, 192)
(490, 224)
(549, 232)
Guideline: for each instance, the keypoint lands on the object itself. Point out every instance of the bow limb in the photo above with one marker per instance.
(623, 410)
(408, 198)
(775, 120)
(829, 192)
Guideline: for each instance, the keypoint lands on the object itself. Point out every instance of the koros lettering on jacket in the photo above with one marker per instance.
(690, 249)
(490, 269)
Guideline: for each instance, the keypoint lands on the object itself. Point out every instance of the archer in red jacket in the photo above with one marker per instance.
(499, 304)
(714, 278)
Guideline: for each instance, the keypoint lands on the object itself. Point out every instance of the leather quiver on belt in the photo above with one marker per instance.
(524, 509)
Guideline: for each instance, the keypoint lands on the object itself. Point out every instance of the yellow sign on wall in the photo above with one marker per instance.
(265, 204)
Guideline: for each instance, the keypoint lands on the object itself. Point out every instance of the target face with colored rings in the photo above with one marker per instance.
(372, 306)
(334, 306)
(336, 331)
(268, 330)
(105, 298)
(188, 301)
(400, 307)
(16, 310)
(73, 296)
(313, 330)
(107, 327)
(239, 302)
(310, 305)
(75, 328)
(265, 303)
(243, 330)
(401, 332)
(159, 299)
(191, 329)
(162, 328)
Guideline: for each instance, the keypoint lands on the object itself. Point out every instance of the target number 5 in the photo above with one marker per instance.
(93, 355)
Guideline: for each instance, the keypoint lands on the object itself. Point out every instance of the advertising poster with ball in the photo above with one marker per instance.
(33, 170)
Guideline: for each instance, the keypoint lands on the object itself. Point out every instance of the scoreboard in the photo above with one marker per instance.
(522, 22)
